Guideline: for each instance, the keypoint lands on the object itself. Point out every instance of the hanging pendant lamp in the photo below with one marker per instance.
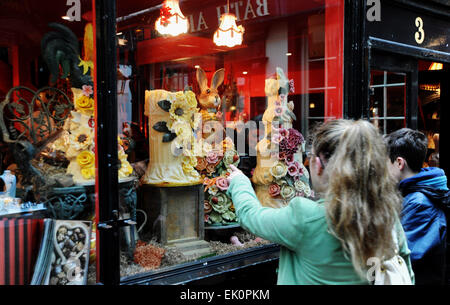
(171, 21)
(229, 34)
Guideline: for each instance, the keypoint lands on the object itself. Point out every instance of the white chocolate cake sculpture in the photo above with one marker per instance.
(173, 117)
(280, 174)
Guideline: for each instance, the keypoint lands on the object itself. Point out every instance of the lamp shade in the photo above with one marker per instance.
(171, 21)
(228, 34)
(436, 66)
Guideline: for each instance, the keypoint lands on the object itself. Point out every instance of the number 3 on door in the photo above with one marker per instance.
(420, 34)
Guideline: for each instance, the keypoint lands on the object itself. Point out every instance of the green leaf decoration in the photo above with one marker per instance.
(165, 105)
(290, 182)
(215, 217)
(282, 91)
(229, 216)
(168, 137)
(161, 127)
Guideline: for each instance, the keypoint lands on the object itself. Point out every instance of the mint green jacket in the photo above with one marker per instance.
(309, 254)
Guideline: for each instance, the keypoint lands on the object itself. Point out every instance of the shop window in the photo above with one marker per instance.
(388, 100)
(47, 148)
(172, 84)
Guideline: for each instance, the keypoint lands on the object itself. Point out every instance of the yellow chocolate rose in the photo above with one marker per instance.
(190, 98)
(188, 163)
(84, 104)
(125, 170)
(88, 173)
(86, 159)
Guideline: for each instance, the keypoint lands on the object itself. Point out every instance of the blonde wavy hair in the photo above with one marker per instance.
(362, 200)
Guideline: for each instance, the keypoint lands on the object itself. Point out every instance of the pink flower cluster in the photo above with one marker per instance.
(289, 142)
(295, 170)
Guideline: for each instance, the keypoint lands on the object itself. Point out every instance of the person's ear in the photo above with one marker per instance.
(318, 166)
(400, 163)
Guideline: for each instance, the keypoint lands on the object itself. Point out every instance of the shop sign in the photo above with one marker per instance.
(386, 20)
(243, 9)
(208, 17)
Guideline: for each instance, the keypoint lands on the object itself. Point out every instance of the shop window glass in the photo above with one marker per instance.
(47, 157)
(189, 106)
(388, 100)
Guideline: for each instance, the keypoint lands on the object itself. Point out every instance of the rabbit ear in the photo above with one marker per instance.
(281, 75)
(282, 80)
(201, 79)
(218, 78)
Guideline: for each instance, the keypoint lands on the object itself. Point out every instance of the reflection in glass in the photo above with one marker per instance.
(286, 73)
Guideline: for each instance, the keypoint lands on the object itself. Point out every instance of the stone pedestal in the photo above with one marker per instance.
(176, 217)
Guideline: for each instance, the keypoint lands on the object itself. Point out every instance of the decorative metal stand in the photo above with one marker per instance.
(127, 206)
(78, 202)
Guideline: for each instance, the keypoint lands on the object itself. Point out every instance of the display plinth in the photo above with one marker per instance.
(176, 217)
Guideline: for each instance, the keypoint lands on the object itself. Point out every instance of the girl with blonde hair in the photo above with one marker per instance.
(329, 241)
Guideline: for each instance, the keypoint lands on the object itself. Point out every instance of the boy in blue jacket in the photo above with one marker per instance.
(423, 217)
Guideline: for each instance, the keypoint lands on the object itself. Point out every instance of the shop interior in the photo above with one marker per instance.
(300, 38)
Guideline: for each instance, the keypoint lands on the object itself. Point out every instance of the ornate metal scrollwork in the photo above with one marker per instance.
(68, 203)
(31, 115)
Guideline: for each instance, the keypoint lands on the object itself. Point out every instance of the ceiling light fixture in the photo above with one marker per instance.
(229, 34)
(171, 21)
(436, 66)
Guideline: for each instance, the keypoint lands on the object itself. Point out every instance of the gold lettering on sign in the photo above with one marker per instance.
(248, 9)
(420, 34)
(219, 12)
(262, 9)
(236, 9)
(253, 9)
(201, 21)
(201, 24)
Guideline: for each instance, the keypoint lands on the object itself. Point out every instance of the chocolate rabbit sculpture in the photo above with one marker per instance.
(209, 98)
(210, 102)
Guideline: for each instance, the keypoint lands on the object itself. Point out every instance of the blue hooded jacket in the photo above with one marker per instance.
(425, 224)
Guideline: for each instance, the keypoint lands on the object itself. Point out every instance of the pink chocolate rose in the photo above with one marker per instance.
(274, 190)
(212, 157)
(222, 183)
